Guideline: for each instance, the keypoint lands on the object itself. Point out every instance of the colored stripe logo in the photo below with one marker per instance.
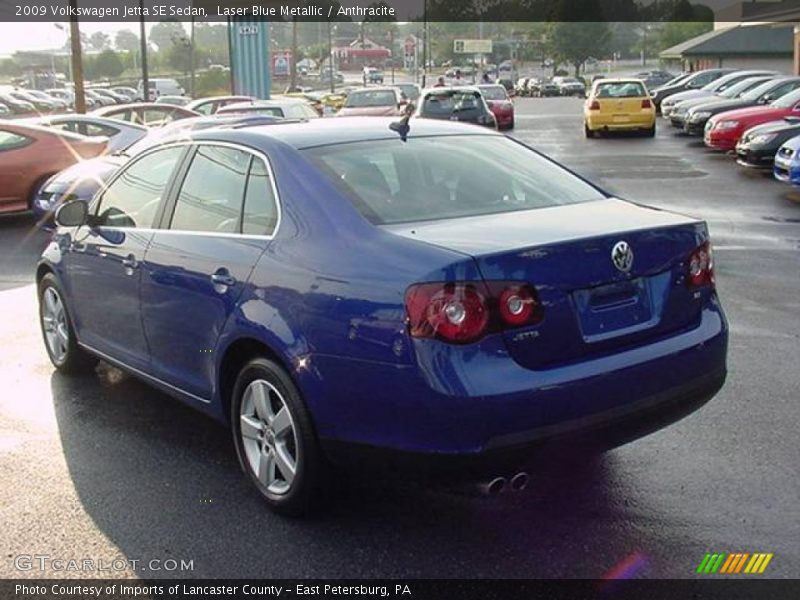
(733, 564)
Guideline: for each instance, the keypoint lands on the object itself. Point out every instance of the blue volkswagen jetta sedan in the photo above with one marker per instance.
(333, 290)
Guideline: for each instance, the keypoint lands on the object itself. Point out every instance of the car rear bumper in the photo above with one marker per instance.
(602, 122)
(463, 407)
(591, 434)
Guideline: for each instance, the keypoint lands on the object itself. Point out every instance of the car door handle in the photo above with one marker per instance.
(130, 262)
(223, 277)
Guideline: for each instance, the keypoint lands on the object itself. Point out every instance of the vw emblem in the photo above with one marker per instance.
(622, 256)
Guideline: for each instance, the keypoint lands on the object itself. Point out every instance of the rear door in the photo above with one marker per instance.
(197, 267)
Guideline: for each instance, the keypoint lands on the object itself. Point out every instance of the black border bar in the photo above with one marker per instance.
(716, 588)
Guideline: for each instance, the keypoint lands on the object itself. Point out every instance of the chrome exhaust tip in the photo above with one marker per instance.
(493, 487)
(519, 482)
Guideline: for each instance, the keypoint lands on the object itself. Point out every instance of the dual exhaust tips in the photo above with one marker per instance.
(498, 485)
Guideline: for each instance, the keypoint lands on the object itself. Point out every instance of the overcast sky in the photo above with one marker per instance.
(43, 36)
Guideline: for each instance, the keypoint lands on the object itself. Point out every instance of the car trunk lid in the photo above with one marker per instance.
(567, 253)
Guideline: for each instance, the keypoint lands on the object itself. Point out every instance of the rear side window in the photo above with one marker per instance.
(12, 141)
(444, 177)
(260, 205)
(213, 190)
(132, 200)
(624, 89)
(84, 128)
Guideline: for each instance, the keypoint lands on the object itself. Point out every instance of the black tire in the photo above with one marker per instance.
(587, 132)
(302, 494)
(73, 360)
(650, 132)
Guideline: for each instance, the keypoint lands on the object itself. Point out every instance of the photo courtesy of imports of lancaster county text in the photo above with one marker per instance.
(422, 299)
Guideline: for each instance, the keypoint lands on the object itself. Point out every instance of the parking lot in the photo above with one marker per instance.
(105, 467)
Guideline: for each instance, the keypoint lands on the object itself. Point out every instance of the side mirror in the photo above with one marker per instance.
(72, 214)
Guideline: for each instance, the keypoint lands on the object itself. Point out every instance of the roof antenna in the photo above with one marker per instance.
(402, 127)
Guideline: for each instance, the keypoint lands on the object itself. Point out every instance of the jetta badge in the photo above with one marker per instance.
(622, 256)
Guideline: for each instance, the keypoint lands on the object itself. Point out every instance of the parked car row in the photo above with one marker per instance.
(538, 87)
(752, 114)
(117, 132)
(48, 159)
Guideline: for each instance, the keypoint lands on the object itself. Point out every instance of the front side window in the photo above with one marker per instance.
(12, 141)
(445, 177)
(212, 192)
(133, 198)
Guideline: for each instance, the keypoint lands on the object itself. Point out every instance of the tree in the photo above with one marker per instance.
(165, 33)
(126, 40)
(99, 40)
(107, 64)
(575, 42)
(676, 32)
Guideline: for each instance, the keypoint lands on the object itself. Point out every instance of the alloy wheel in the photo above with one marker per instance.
(268, 436)
(54, 322)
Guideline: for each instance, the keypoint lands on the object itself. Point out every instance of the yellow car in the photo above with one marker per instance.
(619, 105)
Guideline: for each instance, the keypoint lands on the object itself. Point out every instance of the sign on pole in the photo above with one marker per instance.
(472, 46)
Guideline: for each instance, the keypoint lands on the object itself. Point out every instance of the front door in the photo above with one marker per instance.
(199, 264)
(105, 256)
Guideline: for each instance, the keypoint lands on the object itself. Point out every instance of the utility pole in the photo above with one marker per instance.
(391, 54)
(424, 43)
(143, 44)
(77, 59)
(191, 59)
(293, 60)
(330, 58)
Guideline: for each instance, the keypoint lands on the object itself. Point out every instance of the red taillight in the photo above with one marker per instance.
(646, 103)
(463, 312)
(701, 267)
(595, 105)
(517, 303)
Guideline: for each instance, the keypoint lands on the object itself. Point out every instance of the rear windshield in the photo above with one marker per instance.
(448, 102)
(495, 92)
(444, 177)
(623, 89)
(376, 98)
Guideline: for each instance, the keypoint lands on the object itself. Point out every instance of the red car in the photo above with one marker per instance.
(723, 130)
(30, 155)
(500, 104)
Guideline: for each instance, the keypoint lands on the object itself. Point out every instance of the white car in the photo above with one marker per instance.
(160, 87)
